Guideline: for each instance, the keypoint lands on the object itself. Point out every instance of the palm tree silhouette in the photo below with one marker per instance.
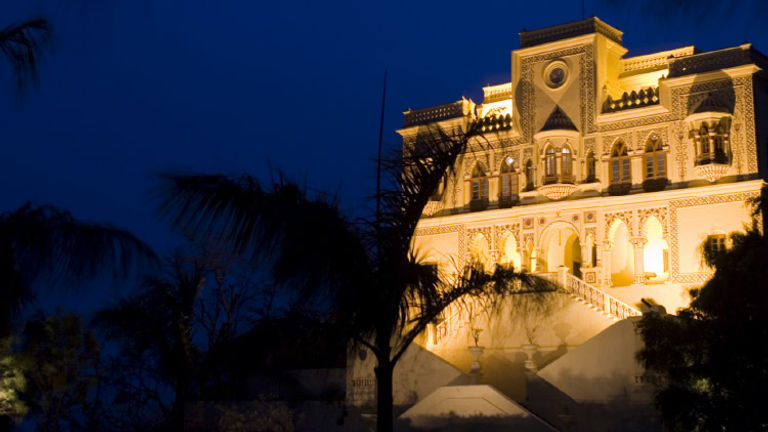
(21, 43)
(46, 244)
(383, 294)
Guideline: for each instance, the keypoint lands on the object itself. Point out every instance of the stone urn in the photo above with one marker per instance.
(475, 352)
(530, 350)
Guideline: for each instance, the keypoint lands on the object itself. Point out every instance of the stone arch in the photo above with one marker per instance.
(560, 245)
(509, 252)
(621, 265)
(480, 250)
(613, 225)
(471, 163)
(655, 250)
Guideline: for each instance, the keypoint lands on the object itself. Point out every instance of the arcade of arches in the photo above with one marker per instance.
(631, 259)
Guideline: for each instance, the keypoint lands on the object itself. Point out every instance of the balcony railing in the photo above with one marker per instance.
(718, 157)
(633, 99)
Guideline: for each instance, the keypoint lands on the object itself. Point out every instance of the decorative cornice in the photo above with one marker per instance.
(569, 30)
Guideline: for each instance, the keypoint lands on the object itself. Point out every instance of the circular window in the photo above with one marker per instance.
(556, 73)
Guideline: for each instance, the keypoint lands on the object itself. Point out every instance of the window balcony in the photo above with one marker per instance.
(557, 179)
(655, 184)
(717, 157)
(478, 204)
(508, 201)
(557, 191)
(619, 188)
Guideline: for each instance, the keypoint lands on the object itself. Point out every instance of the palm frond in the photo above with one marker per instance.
(21, 43)
(308, 242)
(46, 244)
(416, 172)
(47, 241)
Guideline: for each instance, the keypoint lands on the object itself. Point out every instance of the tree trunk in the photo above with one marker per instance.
(384, 400)
(179, 405)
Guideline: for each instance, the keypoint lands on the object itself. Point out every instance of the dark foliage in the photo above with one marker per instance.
(61, 363)
(709, 363)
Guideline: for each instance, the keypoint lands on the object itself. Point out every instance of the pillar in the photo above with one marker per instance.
(606, 263)
(638, 247)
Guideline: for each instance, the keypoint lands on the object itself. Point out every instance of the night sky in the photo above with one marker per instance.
(132, 88)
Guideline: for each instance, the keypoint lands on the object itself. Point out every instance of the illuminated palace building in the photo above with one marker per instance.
(605, 172)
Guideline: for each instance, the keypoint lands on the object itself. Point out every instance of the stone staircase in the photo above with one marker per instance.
(595, 298)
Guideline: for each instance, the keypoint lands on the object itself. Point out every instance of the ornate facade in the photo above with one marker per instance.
(635, 160)
(605, 172)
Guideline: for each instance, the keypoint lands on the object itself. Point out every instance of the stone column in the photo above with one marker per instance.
(606, 264)
(535, 262)
(638, 247)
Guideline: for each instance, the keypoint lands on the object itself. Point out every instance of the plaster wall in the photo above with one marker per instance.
(697, 222)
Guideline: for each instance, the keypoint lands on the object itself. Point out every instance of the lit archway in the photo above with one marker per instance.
(622, 255)
(656, 251)
(561, 247)
(479, 251)
(510, 254)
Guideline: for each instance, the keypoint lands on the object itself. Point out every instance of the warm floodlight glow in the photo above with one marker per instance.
(511, 255)
(655, 258)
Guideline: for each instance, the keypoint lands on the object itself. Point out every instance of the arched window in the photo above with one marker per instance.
(508, 184)
(558, 165)
(550, 162)
(719, 142)
(620, 169)
(655, 159)
(567, 163)
(591, 167)
(704, 137)
(479, 189)
(712, 142)
(529, 176)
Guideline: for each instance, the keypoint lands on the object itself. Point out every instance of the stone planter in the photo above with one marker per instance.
(530, 350)
(475, 352)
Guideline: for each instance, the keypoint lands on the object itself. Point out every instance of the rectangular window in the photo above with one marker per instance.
(716, 243)
(661, 169)
(625, 169)
(475, 190)
(649, 166)
(505, 185)
(615, 171)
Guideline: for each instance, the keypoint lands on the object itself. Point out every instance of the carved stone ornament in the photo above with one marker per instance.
(712, 172)
(557, 191)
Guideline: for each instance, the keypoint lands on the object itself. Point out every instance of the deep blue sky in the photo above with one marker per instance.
(130, 88)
